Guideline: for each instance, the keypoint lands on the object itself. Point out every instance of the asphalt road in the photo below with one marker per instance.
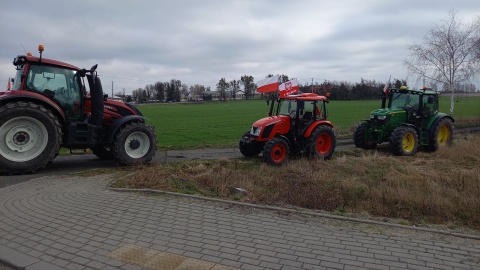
(81, 162)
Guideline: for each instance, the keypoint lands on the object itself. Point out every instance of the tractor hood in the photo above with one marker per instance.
(268, 126)
(387, 115)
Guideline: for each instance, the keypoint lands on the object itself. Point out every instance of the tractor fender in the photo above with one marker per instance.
(314, 125)
(434, 122)
(409, 125)
(285, 138)
(438, 117)
(35, 98)
(112, 130)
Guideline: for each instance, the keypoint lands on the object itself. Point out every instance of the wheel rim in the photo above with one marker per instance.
(443, 135)
(408, 142)
(137, 144)
(323, 143)
(22, 139)
(279, 152)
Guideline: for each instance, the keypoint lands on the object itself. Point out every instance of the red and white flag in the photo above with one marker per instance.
(268, 85)
(288, 88)
(387, 87)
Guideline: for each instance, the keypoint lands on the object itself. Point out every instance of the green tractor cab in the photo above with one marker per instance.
(411, 119)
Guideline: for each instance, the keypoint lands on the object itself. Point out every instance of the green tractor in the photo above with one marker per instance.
(411, 119)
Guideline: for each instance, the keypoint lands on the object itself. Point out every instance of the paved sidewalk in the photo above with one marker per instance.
(67, 222)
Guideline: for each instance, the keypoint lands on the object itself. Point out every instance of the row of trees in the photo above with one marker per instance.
(175, 90)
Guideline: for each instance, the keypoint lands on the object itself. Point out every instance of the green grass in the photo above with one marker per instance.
(221, 124)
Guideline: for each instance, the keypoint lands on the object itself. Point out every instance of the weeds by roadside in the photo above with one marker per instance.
(441, 187)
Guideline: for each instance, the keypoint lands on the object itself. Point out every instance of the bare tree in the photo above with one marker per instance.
(150, 90)
(248, 85)
(448, 55)
(235, 87)
(160, 90)
(196, 91)
(222, 87)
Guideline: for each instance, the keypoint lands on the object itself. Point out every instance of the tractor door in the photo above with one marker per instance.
(307, 111)
(61, 85)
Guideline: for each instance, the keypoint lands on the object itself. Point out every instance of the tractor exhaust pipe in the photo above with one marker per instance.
(97, 103)
(96, 94)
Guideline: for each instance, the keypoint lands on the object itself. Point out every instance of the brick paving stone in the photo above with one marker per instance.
(75, 222)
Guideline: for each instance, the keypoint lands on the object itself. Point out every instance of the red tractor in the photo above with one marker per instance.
(297, 124)
(48, 108)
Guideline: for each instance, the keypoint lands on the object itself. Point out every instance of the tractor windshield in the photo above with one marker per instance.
(404, 101)
(286, 107)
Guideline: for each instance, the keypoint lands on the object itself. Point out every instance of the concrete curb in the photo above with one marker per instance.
(21, 261)
(303, 212)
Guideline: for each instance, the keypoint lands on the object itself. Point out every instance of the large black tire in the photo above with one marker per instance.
(249, 148)
(404, 141)
(276, 151)
(134, 143)
(30, 137)
(441, 134)
(102, 151)
(321, 142)
(360, 138)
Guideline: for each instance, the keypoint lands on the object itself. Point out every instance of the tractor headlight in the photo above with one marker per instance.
(381, 117)
(256, 131)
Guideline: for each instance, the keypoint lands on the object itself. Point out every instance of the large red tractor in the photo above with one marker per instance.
(297, 124)
(49, 107)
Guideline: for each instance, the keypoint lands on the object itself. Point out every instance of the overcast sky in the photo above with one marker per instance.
(136, 43)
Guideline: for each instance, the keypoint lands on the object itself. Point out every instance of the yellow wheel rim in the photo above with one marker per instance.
(443, 135)
(408, 142)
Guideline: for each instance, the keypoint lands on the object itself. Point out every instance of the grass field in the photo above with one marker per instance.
(221, 124)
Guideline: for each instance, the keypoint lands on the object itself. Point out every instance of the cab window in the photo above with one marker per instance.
(60, 84)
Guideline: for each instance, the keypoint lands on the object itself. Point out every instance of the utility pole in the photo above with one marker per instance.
(112, 89)
(312, 85)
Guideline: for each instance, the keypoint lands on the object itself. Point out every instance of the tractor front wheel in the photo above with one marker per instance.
(134, 143)
(276, 151)
(360, 138)
(249, 147)
(404, 141)
(441, 134)
(30, 137)
(321, 142)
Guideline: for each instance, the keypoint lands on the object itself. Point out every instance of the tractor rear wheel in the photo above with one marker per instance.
(276, 151)
(30, 137)
(134, 143)
(360, 138)
(404, 141)
(441, 134)
(248, 147)
(102, 151)
(321, 142)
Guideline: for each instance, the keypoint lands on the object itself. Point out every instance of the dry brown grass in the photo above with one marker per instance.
(441, 187)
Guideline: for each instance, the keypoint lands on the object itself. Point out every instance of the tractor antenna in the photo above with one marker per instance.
(23, 48)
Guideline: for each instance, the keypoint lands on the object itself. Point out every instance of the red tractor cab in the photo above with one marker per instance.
(297, 124)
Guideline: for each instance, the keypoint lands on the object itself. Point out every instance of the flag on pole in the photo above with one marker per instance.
(8, 84)
(288, 88)
(268, 85)
(387, 87)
